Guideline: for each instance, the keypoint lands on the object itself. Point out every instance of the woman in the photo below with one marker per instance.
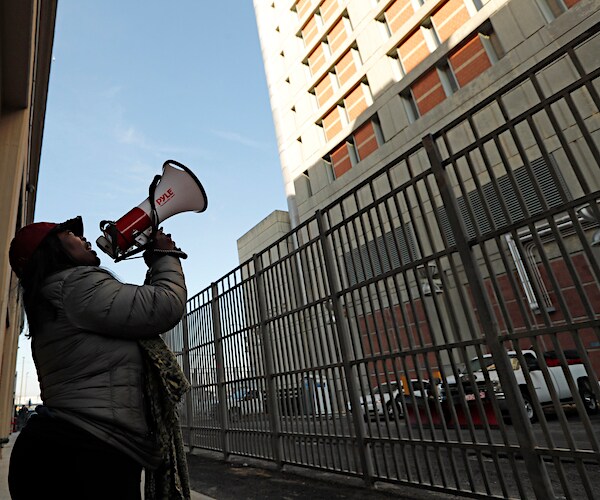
(109, 384)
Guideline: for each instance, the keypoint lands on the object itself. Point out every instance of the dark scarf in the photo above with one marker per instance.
(164, 387)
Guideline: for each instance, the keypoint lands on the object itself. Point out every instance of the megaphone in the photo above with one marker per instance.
(177, 190)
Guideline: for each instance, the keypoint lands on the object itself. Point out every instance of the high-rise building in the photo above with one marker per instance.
(354, 82)
(357, 85)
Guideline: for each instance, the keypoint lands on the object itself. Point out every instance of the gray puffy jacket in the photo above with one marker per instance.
(87, 356)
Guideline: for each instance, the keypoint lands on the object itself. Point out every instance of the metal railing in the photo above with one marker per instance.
(436, 326)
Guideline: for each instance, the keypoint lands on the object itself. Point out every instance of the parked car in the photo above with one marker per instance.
(385, 400)
(541, 387)
(424, 388)
(246, 402)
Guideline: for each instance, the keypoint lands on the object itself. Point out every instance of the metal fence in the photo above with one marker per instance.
(438, 325)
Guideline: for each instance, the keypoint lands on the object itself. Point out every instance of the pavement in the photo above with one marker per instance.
(213, 478)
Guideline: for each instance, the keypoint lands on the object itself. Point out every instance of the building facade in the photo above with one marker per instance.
(354, 83)
(26, 38)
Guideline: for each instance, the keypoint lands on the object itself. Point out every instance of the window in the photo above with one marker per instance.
(471, 59)
(384, 28)
(410, 105)
(329, 168)
(357, 101)
(308, 184)
(347, 66)
(431, 37)
(450, 17)
(378, 130)
(397, 68)
(447, 78)
(396, 16)
(428, 91)
(365, 139)
(321, 132)
(339, 33)
(413, 50)
(490, 42)
(551, 9)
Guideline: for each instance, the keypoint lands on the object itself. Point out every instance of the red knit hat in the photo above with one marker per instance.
(30, 237)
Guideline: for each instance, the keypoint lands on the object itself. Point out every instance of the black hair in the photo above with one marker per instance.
(49, 258)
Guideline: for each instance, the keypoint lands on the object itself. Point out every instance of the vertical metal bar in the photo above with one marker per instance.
(345, 349)
(220, 362)
(267, 354)
(189, 411)
(539, 476)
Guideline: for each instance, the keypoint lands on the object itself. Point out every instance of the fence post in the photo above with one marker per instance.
(533, 462)
(267, 353)
(220, 363)
(343, 334)
(187, 371)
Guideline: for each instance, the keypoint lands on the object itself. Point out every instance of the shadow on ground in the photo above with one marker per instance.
(239, 480)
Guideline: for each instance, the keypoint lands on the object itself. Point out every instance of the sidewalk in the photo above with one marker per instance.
(242, 479)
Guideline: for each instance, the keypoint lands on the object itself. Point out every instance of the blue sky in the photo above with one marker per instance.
(134, 84)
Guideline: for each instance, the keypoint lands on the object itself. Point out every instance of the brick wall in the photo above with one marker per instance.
(428, 91)
(337, 35)
(356, 102)
(397, 14)
(345, 68)
(332, 123)
(413, 50)
(365, 140)
(310, 31)
(340, 158)
(303, 7)
(324, 90)
(328, 9)
(316, 59)
(449, 17)
(469, 60)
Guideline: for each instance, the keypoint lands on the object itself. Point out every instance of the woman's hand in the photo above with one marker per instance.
(163, 241)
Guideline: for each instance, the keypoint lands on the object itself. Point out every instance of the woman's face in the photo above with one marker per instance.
(78, 248)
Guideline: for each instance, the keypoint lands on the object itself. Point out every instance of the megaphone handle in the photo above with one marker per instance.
(153, 213)
(176, 252)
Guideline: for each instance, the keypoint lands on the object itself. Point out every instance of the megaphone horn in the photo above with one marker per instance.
(177, 190)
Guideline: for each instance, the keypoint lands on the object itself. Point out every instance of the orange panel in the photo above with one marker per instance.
(345, 68)
(328, 9)
(324, 90)
(428, 91)
(316, 59)
(303, 7)
(337, 36)
(413, 50)
(332, 123)
(469, 61)
(365, 140)
(310, 31)
(451, 16)
(570, 3)
(398, 13)
(341, 160)
(355, 102)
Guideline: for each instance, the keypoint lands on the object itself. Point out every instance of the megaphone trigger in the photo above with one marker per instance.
(177, 190)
